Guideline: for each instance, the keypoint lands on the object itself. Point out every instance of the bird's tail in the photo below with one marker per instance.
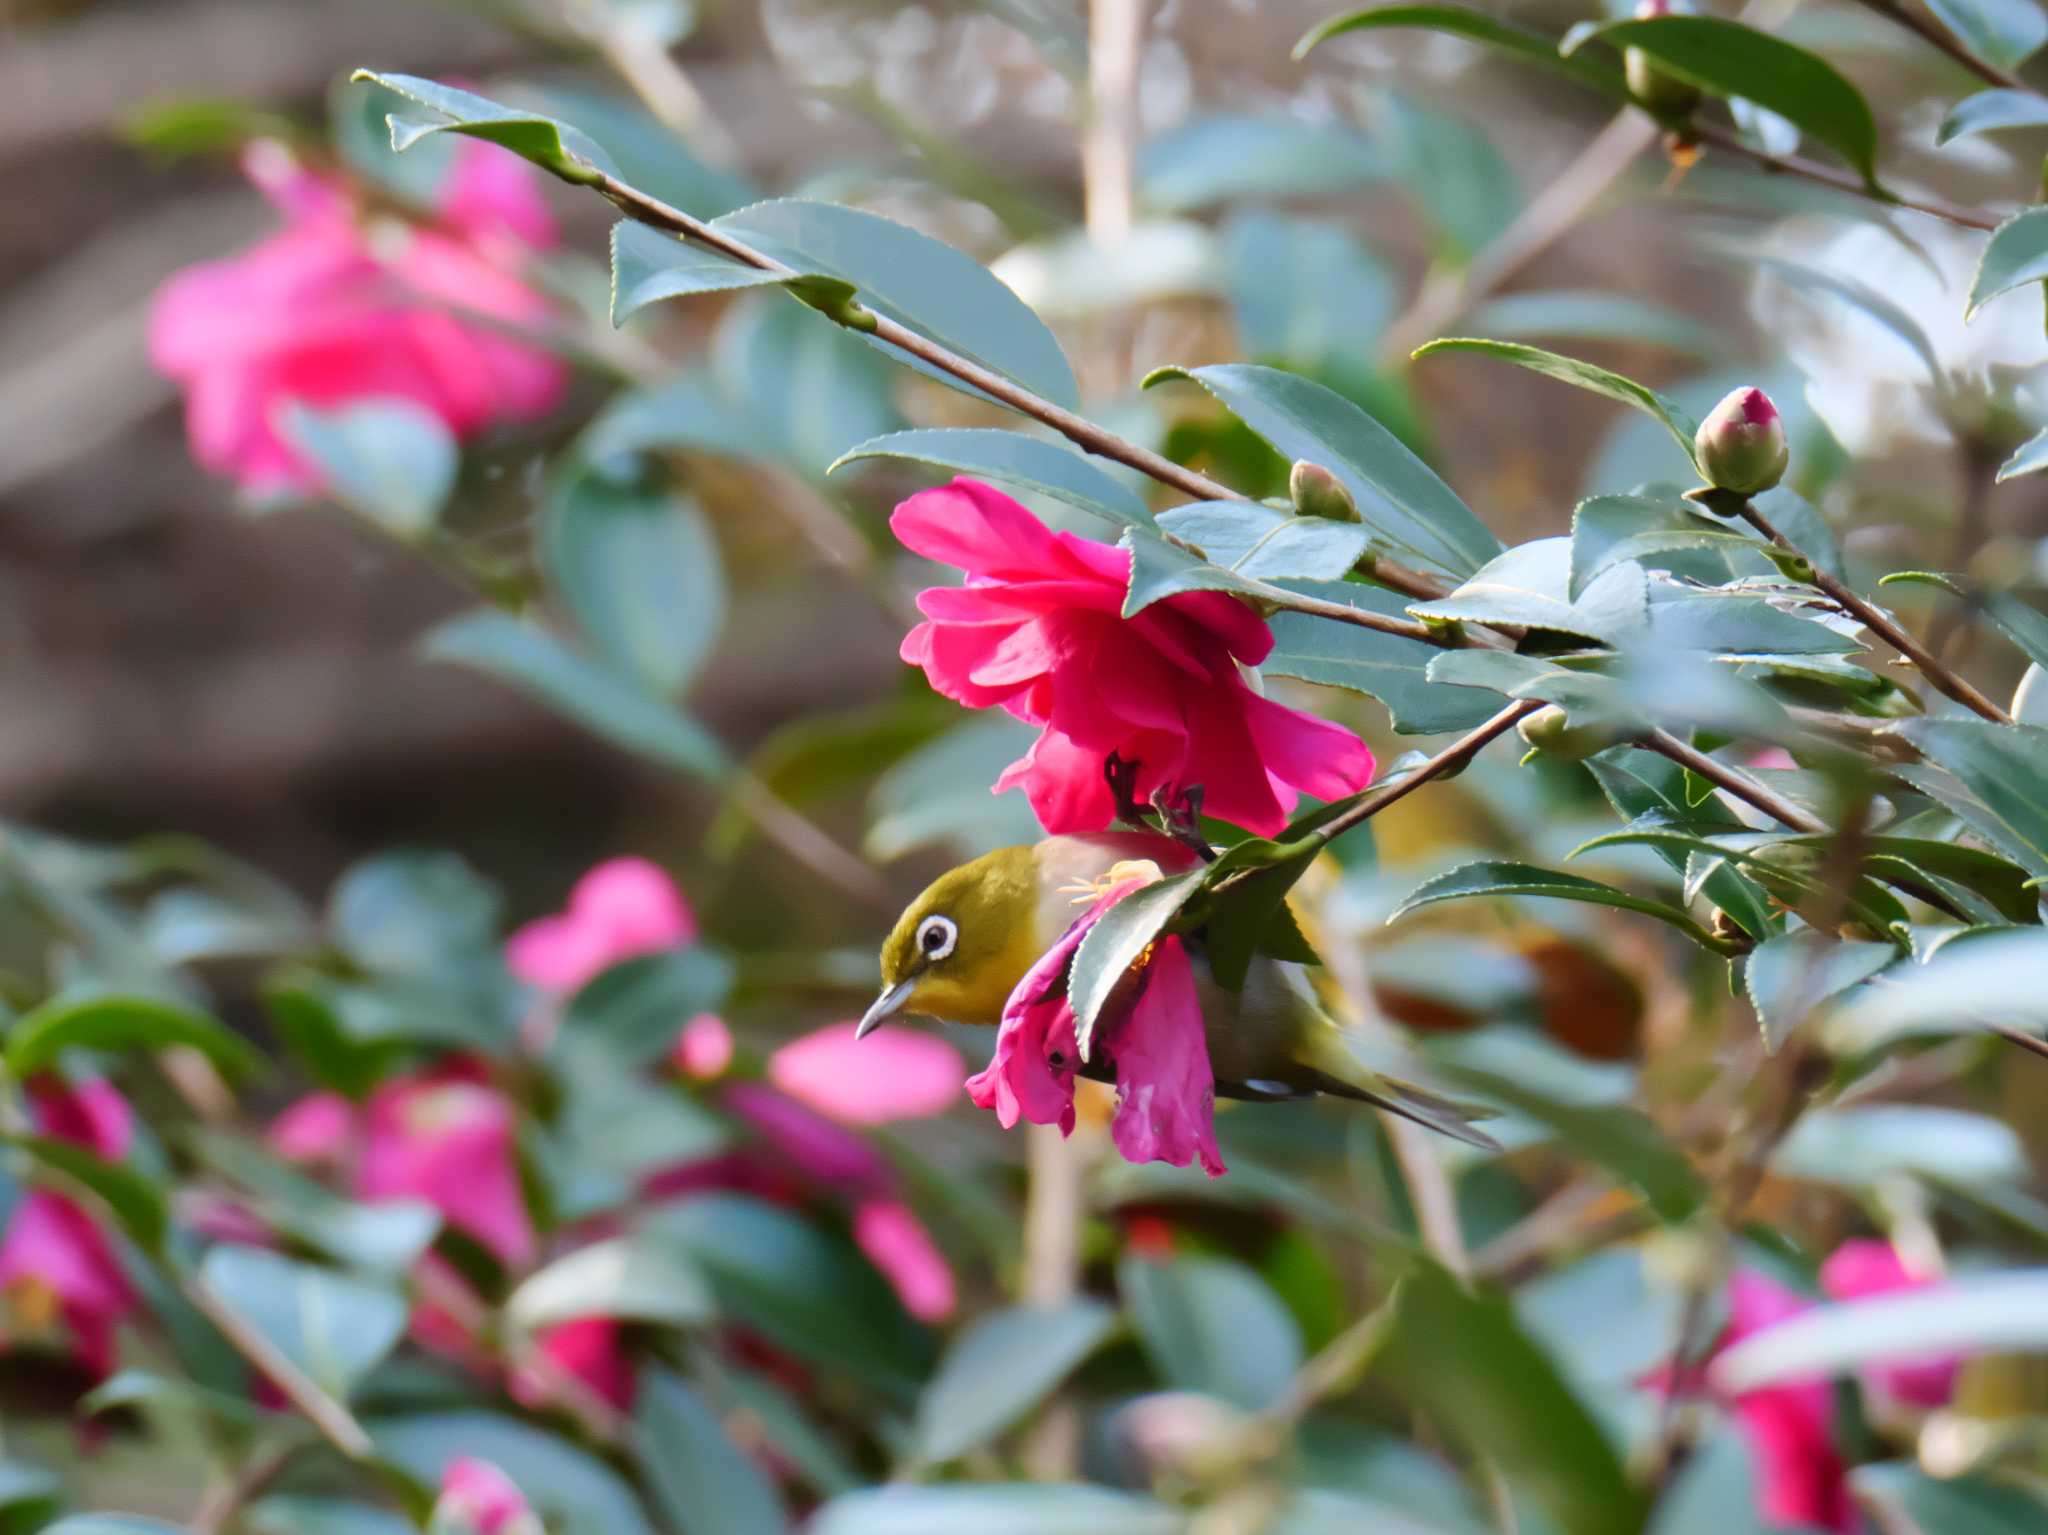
(1338, 1058)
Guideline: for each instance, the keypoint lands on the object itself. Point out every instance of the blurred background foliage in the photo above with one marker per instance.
(253, 791)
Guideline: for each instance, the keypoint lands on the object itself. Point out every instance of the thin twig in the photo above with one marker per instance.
(1939, 38)
(1937, 672)
(1840, 180)
(335, 1422)
(1736, 782)
(1452, 757)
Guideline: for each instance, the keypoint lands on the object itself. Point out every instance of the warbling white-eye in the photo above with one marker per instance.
(961, 947)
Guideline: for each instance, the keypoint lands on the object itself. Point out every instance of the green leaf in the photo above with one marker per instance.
(1468, 189)
(1788, 976)
(2025, 625)
(1622, 1140)
(1992, 111)
(288, 1513)
(1263, 544)
(1025, 1508)
(843, 388)
(1388, 667)
(1000, 1367)
(939, 793)
(2031, 457)
(1398, 496)
(1526, 587)
(1861, 297)
(1212, 1325)
(701, 1480)
(575, 1491)
(385, 1238)
(413, 912)
(2004, 766)
(1012, 458)
(632, 1007)
(650, 265)
(1640, 783)
(1222, 158)
(1160, 570)
(112, 1524)
(391, 461)
(30, 1498)
(599, 700)
(689, 413)
(636, 1278)
(553, 146)
(1104, 959)
(1306, 293)
(1592, 315)
(1966, 1314)
(1492, 878)
(1950, 1505)
(1660, 532)
(1581, 375)
(1532, 46)
(639, 569)
(1969, 984)
(2016, 254)
(1506, 1399)
(334, 1326)
(2005, 33)
(1866, 1146)
(38, 1038)
(1729, 59)
(134, 1199)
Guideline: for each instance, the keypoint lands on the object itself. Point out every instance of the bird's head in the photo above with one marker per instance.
(961, 947)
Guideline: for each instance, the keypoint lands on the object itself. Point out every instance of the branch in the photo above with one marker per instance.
(1840, 180)
(335, 1422)
(1451, 758)
(1736, 782)
(1939, 38)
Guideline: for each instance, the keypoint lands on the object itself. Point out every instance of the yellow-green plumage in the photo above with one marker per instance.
(1272, 1039)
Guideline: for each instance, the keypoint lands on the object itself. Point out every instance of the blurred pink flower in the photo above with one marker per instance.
(895, 1241)
(621, 909)
(1864, 1267)
(337, 308)
(57, 1267)
(590, 1349)
(822, 1150)
(893, 1074)
(1790, 1426)
(1166, 1092)
(1038, 629)
(479, 1499)
(704, 1049)
(450, 1141)
(319, 1128)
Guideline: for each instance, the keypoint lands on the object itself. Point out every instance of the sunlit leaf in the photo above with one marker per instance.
(2015, 255)
(1581, 375)
(1012, 458)
(391, 461)
(335, 1327)
(1496, 878)
(2005, 33)
(1534, 47)
(1991, 112)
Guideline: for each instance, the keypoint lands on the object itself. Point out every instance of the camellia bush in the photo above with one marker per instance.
(1651, 1149)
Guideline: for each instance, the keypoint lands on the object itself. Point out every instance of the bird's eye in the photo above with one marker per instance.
(936, 937)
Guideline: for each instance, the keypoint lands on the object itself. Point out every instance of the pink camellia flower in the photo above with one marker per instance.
(339, 307)
(1038, 630)
(321, 1128)
(895, 1241)
(591, 1350)
(621, 909)
(450, 1141)
(1166, 1092)
(893, 1074)
(1864, 1267)
(57, 1267)
(479, 1499)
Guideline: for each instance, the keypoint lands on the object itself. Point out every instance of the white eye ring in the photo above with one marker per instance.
(936, 937)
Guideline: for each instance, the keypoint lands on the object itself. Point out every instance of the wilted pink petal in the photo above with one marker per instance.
(704, 1048)
(334, 310)
(619, 910)
(591, 1351)
(1036, 1059)
(476, 1496)
(451, 1142)
(320, 1127)
(821, 1149)
(1038, 630)
(890, 1233)
(894, 1073)
(1166, 1093)
(1864, 1267)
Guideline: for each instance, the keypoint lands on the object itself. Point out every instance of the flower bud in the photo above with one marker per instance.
(479, 1499)
(1549, 732)
(1741, 446)
(1664, 96)
(1316, 492)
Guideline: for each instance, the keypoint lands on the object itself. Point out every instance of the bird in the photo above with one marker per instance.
(961, 947)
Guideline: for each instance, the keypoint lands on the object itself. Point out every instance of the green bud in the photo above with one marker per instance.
(1316, 492)
(1667, 98)
(1550, 732)
(1741, 445)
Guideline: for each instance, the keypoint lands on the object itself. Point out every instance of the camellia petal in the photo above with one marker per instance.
(1166, 1092)
(893, 1074)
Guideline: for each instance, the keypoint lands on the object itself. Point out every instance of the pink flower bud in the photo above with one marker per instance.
(479, 1499)
(1741, 445)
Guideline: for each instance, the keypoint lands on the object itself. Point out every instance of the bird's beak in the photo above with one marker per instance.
(885, 1007)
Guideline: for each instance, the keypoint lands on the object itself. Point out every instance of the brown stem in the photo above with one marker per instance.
(1452, 757)
(1840, 180)
(1932, 667)
(1735, 782)
(1939, 38)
